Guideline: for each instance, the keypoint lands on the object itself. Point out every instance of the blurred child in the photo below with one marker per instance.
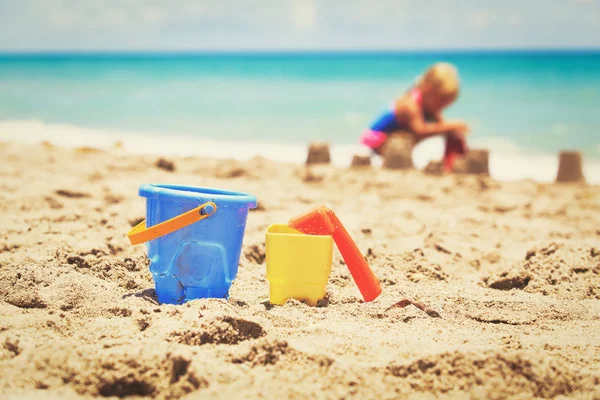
(418, 115)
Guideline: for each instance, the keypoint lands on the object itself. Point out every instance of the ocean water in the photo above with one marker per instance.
(523, 106)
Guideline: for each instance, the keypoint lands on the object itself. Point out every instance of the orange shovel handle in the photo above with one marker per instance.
(323, 221)
(367, 282)
(140, 233)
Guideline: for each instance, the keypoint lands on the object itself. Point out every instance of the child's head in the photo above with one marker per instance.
(439, 87)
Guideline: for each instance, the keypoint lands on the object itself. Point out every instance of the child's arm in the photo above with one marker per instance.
(409, 112)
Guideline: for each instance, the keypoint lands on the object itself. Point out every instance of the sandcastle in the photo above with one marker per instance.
(397, 153)
(570, 167)
(434, 168)
(475, 162)
(318, 153)
(360, 161)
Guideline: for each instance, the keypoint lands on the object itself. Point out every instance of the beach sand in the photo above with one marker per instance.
(513, 270)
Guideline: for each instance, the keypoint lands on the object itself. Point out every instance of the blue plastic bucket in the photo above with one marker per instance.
(201, 259)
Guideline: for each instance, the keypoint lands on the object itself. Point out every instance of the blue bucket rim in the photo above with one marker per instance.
(195, 193)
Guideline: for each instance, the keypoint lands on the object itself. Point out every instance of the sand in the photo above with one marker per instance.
(512, 269)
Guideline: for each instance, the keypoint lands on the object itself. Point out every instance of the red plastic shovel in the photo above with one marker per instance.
(323, 221)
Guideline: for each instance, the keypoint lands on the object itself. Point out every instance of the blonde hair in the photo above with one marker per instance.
(442, 78)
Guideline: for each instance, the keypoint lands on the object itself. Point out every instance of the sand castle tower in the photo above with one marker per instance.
(397, 153)
(477, 162)
(318, 153)
(434, 168)
(360, 161)
(570, 167)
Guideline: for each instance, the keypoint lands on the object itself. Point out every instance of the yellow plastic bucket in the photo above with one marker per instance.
(298, 265)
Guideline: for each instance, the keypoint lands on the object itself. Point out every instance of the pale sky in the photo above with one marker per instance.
(179, 25)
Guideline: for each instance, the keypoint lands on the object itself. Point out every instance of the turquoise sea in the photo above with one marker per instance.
(530, 102)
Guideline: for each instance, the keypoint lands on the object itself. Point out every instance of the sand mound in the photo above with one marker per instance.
(266, 353)
(20, 285)
(555, 269)
(271, 352)
(518, 312)
(60, 288)
(492, 375)
(130, 273)
(221, 330)
(114, 372)
(415, 266)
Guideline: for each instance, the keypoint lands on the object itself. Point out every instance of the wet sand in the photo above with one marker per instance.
(512, 269)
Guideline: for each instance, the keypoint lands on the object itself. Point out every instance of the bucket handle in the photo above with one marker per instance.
(140, 233)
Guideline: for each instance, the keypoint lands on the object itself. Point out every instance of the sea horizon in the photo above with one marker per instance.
(302, 51)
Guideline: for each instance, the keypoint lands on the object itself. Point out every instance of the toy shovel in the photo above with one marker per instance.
(323, 221)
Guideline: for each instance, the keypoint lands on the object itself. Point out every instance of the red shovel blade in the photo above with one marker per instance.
(323, 221)
(314, 222)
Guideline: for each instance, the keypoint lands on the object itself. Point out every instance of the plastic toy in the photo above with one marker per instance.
(194, 239)
(298, 265)
(323, 221)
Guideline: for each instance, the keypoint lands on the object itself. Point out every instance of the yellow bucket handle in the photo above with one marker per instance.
(140, 234)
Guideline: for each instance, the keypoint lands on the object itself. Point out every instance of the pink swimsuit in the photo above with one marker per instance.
(387, 123)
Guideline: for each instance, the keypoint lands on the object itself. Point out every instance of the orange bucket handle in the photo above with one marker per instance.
(141, 234)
